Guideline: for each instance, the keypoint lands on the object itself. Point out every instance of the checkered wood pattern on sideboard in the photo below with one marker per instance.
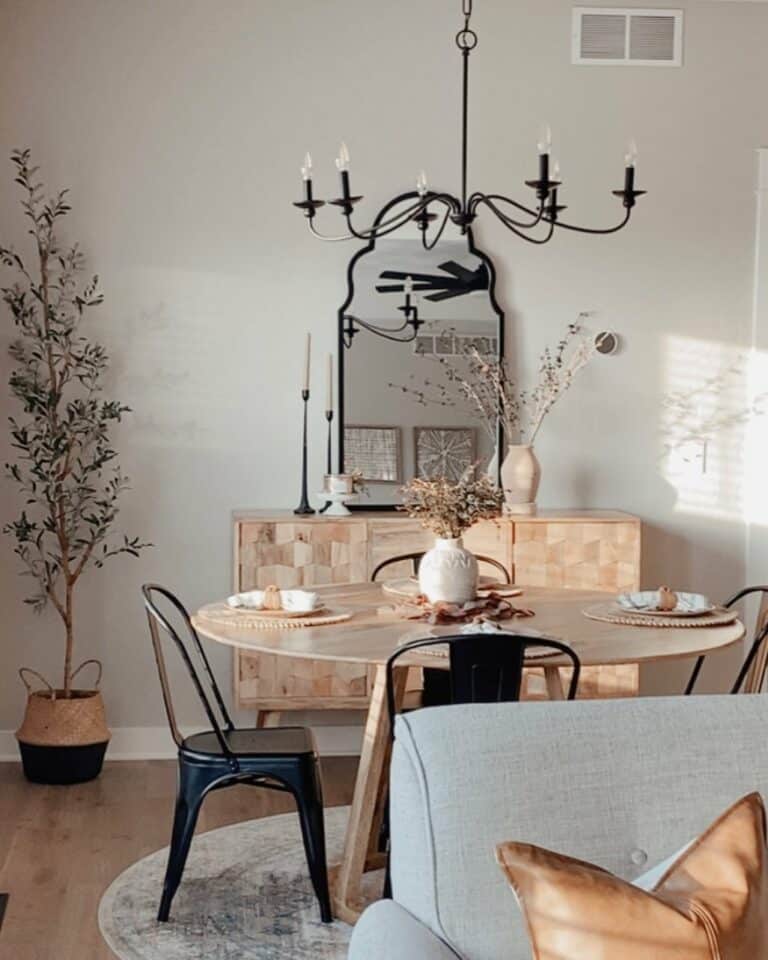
(587, 550)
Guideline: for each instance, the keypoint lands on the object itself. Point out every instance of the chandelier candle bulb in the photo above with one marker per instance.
(421, 184)
(342, 161)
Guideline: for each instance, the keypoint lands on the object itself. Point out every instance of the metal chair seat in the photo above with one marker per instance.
(246, 742)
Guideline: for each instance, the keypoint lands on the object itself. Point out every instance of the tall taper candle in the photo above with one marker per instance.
(307, 355)
(329, 386)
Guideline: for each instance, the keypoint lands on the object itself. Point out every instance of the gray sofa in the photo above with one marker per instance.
(623, 783)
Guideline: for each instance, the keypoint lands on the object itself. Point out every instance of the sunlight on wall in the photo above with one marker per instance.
(706, 411)
(756, 456)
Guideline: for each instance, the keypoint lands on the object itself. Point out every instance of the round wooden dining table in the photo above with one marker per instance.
(376, 629)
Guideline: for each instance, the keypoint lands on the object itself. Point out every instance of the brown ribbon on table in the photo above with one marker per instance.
(491, 608)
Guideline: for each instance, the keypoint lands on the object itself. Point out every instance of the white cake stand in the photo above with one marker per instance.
(337, 503)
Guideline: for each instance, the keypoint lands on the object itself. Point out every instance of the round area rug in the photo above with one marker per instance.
(245, 893)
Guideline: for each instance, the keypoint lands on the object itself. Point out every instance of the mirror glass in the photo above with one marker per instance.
(402, 417)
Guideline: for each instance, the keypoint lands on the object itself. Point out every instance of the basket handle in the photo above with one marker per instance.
(86, 663)
(25, 670)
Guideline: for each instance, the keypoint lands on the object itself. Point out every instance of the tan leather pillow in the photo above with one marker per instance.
(711, 904)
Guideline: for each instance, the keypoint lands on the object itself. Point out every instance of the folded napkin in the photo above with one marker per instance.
(294, 601)
(491, 626)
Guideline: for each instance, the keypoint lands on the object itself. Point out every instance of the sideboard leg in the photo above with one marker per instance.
(267, 718)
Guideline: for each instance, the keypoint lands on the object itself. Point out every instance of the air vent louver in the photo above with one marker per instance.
(627, 36)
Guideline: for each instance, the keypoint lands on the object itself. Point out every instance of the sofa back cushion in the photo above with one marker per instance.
(621, 784)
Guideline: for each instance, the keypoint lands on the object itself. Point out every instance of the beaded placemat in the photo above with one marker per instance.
(238, 617)
(613, 613)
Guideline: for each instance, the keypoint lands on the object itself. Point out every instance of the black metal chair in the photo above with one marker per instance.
(483, 667)
(758, 652)
(435, 683)
(282, 758)
(416, 558)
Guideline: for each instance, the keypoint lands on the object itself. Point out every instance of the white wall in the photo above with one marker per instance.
(757, 438)
(180, 125)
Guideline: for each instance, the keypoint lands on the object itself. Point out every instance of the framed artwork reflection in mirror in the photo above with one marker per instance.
(374, 452)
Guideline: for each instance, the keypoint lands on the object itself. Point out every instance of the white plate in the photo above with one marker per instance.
(647, 601)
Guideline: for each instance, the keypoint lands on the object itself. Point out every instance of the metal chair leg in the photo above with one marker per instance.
(694, 676)
(190, 796)
(746, 666)
(309, 801)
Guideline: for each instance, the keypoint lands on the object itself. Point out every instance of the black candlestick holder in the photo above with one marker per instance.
(304, 507)
(329, 453)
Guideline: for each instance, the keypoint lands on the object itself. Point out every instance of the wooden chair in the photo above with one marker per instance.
(277, 758)
(416, 558)
(753, 670)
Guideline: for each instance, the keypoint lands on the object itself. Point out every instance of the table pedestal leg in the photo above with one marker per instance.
(554, 683)
(364, 817)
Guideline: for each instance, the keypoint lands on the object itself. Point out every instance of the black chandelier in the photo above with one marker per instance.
(541, 220)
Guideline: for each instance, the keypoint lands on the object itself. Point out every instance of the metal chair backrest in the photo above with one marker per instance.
(416, 558)
(753, 670)
(484, 667)
(159, 621)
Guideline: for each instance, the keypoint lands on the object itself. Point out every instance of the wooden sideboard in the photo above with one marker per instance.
(586, 549)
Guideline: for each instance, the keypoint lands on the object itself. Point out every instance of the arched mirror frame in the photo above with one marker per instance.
(473, 250)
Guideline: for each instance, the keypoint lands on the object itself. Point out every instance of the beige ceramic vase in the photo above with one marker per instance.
(448, 573)
(520, 477)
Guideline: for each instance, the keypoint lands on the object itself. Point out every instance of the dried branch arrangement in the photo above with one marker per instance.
(487, 387)
(66, 468)
(448, 509)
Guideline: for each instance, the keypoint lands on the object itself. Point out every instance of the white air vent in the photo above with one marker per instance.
(628, 36)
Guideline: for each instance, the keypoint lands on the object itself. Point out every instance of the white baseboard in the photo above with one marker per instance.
(156, 743)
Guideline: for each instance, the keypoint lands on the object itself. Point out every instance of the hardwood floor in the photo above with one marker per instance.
(60, 847)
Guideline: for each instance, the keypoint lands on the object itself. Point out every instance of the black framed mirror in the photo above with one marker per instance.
(410, 313)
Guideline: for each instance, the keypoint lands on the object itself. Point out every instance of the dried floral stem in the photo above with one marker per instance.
(448, 509)
(492, 393)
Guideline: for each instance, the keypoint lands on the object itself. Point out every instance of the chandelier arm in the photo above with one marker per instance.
(384, 227)
(510, 225)
(320, 236)
(595, 231)
(497, 197)
(433, 243)
(379, 332)
(373, 233)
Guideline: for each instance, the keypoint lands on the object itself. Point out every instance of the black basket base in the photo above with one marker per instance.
(62, 765)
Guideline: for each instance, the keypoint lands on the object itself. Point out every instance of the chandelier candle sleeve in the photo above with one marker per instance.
(307, 357)
(306, 176)
(329, 385)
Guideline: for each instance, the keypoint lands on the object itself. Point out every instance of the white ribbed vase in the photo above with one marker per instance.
(448, 573)
(520, 477)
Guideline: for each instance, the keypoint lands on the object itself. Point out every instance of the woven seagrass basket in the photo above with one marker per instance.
(63, 739)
